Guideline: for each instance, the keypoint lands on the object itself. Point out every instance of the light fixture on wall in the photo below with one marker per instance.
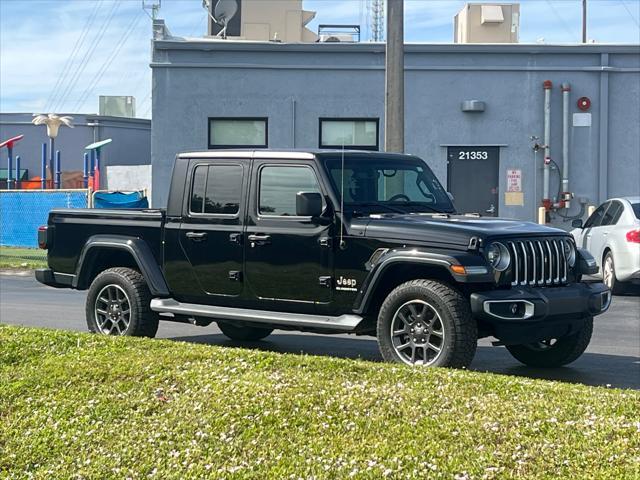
(472, 106)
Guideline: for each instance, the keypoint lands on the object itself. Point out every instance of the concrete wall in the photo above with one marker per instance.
(130, 146)
(295, 84)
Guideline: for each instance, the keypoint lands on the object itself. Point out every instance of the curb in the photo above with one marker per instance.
(10, 272)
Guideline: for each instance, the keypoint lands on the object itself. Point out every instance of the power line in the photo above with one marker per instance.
(566, 26)
(107, 63)
(630, 14)
(71, 58)
(146, 99)
(148, 110)
(87, 56)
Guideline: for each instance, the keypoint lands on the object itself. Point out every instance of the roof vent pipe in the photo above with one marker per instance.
(566, 89)
(547, 140)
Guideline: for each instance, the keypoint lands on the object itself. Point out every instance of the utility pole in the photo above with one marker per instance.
(584, 21)
(394, 78)
(151, 6)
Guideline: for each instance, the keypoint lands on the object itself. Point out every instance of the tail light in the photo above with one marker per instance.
(43, 237)
(633, 236)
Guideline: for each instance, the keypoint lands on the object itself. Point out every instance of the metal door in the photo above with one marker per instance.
(472, 179)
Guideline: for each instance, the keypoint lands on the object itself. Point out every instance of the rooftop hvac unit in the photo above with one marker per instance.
(487, 23)
(117, 106)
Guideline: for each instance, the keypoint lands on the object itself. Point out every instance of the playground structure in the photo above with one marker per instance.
(9, 144)
(25, 203)
(91, 163)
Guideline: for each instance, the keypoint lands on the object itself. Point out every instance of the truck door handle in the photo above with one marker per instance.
(259, 239)
(196, 236)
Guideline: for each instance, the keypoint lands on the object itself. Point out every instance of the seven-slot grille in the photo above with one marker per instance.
(538, 262)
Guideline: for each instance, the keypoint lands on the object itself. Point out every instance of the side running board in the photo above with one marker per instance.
(343, 323)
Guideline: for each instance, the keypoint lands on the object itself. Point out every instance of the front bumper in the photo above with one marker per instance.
(524, 315)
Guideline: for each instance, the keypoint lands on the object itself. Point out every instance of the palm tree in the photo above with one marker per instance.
(53, 122)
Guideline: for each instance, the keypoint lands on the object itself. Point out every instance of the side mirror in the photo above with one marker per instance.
(577, 223)
(450, 195)
(308, 204)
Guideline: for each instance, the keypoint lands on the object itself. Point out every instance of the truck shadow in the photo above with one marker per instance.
(615, 371)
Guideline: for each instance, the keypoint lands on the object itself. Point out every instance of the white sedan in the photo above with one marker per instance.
(612, 235)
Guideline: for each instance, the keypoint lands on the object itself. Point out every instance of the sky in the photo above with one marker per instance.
(60, 55)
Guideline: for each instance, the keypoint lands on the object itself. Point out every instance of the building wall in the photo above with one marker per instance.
(130, 146)
(295, 84)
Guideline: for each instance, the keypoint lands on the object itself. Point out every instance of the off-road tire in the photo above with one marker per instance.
(143, 322)
(564, 351)
(244, 333)
(460, 328)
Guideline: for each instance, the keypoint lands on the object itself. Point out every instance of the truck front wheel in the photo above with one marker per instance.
(118, 303)
(554, 352)
(425, 322)
(244, 333)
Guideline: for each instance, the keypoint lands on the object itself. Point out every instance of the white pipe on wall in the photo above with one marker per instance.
(547, 138)
(566, 88)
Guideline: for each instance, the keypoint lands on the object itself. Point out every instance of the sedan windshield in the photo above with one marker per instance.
(387, 184)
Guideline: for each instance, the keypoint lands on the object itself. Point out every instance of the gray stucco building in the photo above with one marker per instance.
(288, 89)
(130, 146)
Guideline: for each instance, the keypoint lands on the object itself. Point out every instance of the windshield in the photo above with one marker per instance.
(388, 184)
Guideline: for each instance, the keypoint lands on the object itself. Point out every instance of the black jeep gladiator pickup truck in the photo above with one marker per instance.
(328, 242)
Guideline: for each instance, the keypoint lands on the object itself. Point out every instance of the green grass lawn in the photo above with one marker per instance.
(80, 406)
(22, 258)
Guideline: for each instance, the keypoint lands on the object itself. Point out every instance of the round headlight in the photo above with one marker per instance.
(569, 252)
(498, 256)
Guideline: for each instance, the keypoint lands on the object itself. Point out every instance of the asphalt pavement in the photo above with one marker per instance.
(612, 359)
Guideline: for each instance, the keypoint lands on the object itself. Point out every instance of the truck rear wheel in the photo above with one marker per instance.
(425, 322)
(554, 352)
(118, 303)
(244, 333)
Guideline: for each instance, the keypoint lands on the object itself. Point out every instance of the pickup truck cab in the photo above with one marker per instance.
(330, 242)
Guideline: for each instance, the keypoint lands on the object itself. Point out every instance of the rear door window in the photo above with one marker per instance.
(612, 214)
(636, 209)
(216, 189)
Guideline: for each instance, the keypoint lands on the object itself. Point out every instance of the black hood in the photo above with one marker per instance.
(450, 230)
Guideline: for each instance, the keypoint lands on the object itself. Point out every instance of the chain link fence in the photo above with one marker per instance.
(21, 213)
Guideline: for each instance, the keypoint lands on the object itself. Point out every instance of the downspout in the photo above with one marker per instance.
(293, 122)
(546, 201)
(565, 196)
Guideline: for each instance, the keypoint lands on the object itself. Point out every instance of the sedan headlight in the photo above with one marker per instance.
(498, 256)
(569, 252)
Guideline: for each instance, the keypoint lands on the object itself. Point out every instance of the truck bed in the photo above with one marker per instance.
(72, 228)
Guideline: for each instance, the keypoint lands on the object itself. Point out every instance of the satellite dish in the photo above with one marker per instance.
(223, 13)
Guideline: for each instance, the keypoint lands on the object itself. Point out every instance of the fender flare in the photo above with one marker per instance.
(136, 247)
(413, 257)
